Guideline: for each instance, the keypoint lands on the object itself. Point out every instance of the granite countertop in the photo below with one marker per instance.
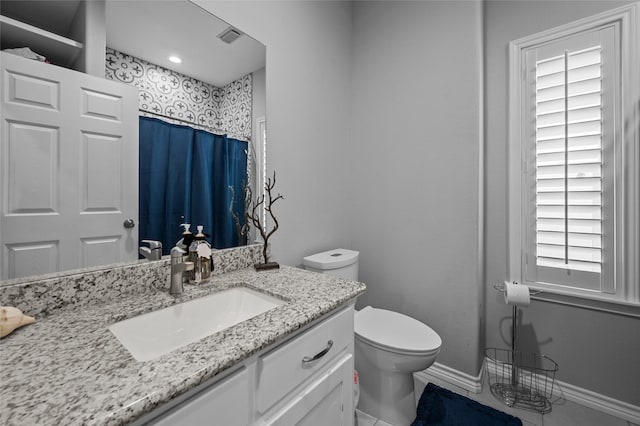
(68, 368)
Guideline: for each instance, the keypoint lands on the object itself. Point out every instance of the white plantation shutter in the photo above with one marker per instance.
(569, 224)
(569, 160)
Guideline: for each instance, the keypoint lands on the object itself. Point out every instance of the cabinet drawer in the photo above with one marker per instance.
(281, 370)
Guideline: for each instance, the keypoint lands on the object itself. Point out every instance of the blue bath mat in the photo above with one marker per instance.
(441, 407)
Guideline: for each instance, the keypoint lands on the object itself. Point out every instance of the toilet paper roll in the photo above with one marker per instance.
(516, 294)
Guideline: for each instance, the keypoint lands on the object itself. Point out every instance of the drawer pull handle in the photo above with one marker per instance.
(319, 354)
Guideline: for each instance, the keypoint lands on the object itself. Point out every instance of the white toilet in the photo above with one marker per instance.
(389, 347)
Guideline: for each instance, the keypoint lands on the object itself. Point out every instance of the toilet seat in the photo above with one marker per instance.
(395, 332)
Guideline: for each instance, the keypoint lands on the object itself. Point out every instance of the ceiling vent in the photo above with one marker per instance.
(229, 35)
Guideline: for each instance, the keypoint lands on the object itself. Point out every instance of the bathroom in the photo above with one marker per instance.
(387, 126)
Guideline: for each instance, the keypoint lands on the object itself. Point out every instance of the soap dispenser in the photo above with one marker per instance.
(187, 237)
(200, 255)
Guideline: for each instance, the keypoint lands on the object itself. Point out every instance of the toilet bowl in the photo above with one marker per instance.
(389, 348)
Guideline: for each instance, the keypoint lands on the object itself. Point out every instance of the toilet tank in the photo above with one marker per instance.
(339, 262)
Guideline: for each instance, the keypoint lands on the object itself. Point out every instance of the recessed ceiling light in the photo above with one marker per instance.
(175, 59)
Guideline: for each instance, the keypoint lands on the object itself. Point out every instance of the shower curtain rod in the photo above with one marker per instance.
(213, 129)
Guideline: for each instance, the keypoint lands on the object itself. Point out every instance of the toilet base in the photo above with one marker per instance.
(386, 395)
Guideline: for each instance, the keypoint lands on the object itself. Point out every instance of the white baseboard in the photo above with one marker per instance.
(590, 399)
(599, 402)
(455, 377)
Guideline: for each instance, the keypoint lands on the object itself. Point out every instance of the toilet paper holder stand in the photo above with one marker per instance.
(534, 393)
(514, 321)
(514, 316)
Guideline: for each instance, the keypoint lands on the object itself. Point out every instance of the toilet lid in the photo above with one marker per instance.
(395, 331)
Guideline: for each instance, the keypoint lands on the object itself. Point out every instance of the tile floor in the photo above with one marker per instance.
(563, 413)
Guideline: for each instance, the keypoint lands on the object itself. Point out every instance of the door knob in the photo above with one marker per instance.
(129, 223)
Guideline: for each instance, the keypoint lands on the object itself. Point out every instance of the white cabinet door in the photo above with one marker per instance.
(225, 403)
(68, 169)
(327, 401)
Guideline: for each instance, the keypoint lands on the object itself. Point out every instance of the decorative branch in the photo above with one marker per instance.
(254, 216)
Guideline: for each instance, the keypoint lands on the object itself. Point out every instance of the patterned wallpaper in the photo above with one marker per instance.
(219, 109)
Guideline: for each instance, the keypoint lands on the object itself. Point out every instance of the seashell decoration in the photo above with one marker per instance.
(12, 318)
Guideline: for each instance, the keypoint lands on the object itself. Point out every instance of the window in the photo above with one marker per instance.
(574, 186)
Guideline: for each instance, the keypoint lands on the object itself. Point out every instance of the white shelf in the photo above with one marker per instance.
(57, 49)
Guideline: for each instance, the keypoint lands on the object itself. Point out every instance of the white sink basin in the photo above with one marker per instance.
(151, 335)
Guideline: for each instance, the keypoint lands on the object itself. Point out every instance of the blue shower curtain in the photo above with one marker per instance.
(185, 175)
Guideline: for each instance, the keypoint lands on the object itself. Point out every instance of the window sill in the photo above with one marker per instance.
(594, 303)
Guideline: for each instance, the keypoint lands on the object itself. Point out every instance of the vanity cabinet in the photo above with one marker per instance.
(303, 381)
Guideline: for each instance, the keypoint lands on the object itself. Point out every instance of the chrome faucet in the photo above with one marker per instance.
(178, 266)
(153, 252)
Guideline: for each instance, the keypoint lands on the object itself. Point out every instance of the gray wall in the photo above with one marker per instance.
(596, 351)
(307, 85)
(373, 154)
(415, 150)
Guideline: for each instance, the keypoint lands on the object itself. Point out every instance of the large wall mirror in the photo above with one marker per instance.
(218, 86)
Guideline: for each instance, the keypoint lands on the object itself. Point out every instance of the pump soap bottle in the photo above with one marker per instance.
(187, 237)
(200, 255)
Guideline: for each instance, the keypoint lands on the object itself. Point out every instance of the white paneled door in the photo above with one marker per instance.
(68, 169)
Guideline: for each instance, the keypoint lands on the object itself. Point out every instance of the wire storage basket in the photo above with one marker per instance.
(523, 380)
